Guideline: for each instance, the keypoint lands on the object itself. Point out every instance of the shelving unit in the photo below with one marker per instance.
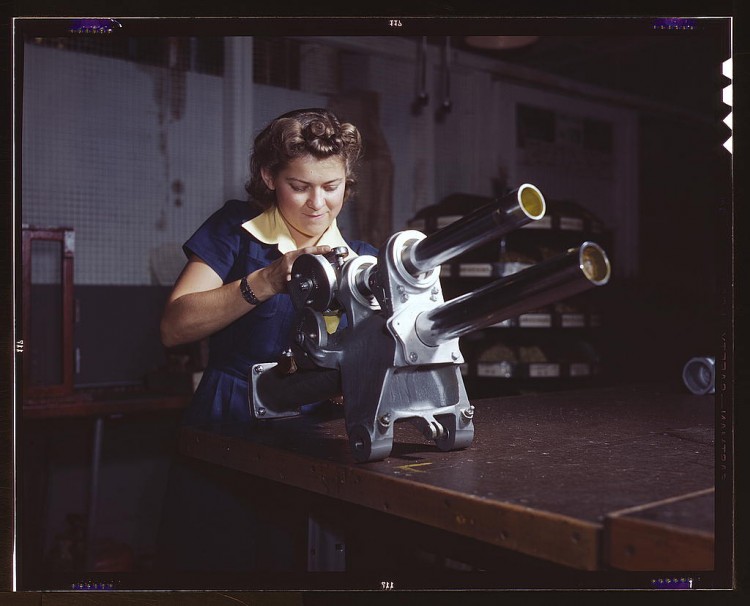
(553, 347)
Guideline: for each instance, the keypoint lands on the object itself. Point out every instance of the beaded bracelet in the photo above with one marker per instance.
(247, 292)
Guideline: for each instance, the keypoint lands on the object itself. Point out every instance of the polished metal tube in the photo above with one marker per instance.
(578, 270)
(487, 223)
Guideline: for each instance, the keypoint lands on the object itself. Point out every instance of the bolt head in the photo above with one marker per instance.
(257, 369)
(261, 411)
(413, 356)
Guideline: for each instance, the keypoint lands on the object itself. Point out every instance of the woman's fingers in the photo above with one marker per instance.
(280, 271)
(292, 256)
(315, 250)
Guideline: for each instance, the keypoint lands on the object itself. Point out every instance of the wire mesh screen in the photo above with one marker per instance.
(121, 138)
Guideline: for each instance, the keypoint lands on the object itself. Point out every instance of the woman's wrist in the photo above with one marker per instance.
(255, 289)
(247, 292)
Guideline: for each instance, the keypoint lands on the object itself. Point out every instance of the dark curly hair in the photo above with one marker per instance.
(302, 132)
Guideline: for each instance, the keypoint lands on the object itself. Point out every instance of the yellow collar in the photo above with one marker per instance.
(269, 228)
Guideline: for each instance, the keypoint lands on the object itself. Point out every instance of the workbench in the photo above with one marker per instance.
(41, 419)
(595, 482)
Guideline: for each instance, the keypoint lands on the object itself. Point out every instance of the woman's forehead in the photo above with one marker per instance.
(312, 166)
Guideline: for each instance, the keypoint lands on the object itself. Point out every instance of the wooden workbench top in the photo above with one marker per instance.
(102, 403)
(542, 475)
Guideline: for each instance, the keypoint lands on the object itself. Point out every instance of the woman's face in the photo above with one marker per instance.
(309, 195)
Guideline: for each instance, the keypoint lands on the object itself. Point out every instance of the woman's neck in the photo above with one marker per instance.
(301, 239)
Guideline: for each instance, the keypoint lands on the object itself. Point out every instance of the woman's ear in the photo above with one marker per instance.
(267, 177)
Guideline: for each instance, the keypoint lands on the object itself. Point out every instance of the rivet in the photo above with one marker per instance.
(468, 413)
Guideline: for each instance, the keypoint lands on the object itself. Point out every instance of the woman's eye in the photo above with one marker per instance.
(299, 189)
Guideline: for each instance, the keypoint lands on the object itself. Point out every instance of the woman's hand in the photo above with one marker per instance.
(271, 280)
(200, 304)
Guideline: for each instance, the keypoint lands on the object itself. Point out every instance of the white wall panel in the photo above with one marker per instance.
(128, 155)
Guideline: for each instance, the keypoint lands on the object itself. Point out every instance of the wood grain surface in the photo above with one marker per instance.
(101, 404)
(542, 475)
(672, 535)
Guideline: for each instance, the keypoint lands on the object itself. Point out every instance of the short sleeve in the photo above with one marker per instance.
(217, 241)
(363, 248)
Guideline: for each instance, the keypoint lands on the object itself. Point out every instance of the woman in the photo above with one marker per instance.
(233, 290)
(233, 287)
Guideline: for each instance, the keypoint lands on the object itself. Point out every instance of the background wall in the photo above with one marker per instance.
(125, 153)
(134, 156)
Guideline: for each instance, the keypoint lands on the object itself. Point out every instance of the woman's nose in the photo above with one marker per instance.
(316, 199)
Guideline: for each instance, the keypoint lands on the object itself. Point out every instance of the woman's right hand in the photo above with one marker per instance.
(200, 304)
(272, 279)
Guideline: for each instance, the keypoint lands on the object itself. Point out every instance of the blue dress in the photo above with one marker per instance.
(261, 335)
(215, 519)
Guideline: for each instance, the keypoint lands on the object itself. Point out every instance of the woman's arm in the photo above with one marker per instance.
(200, 304)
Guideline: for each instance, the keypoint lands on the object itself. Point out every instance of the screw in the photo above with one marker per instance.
(400, 288)
(404, 298)
(468, 413)
(413, 356)
(257, 369)
(385, 420)
(454, 355)
(261, 411)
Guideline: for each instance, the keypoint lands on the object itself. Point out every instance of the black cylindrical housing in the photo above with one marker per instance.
(578, 270)
(288, 392)
(487, 223)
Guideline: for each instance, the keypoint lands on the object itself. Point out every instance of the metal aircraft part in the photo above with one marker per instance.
(398, 358)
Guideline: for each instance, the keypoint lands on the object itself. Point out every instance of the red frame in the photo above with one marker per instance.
(66, 236)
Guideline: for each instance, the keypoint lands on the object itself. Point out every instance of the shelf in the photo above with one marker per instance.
(533, 370)
(545, 345)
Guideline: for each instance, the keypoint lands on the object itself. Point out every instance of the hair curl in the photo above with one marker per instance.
(304, 132)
